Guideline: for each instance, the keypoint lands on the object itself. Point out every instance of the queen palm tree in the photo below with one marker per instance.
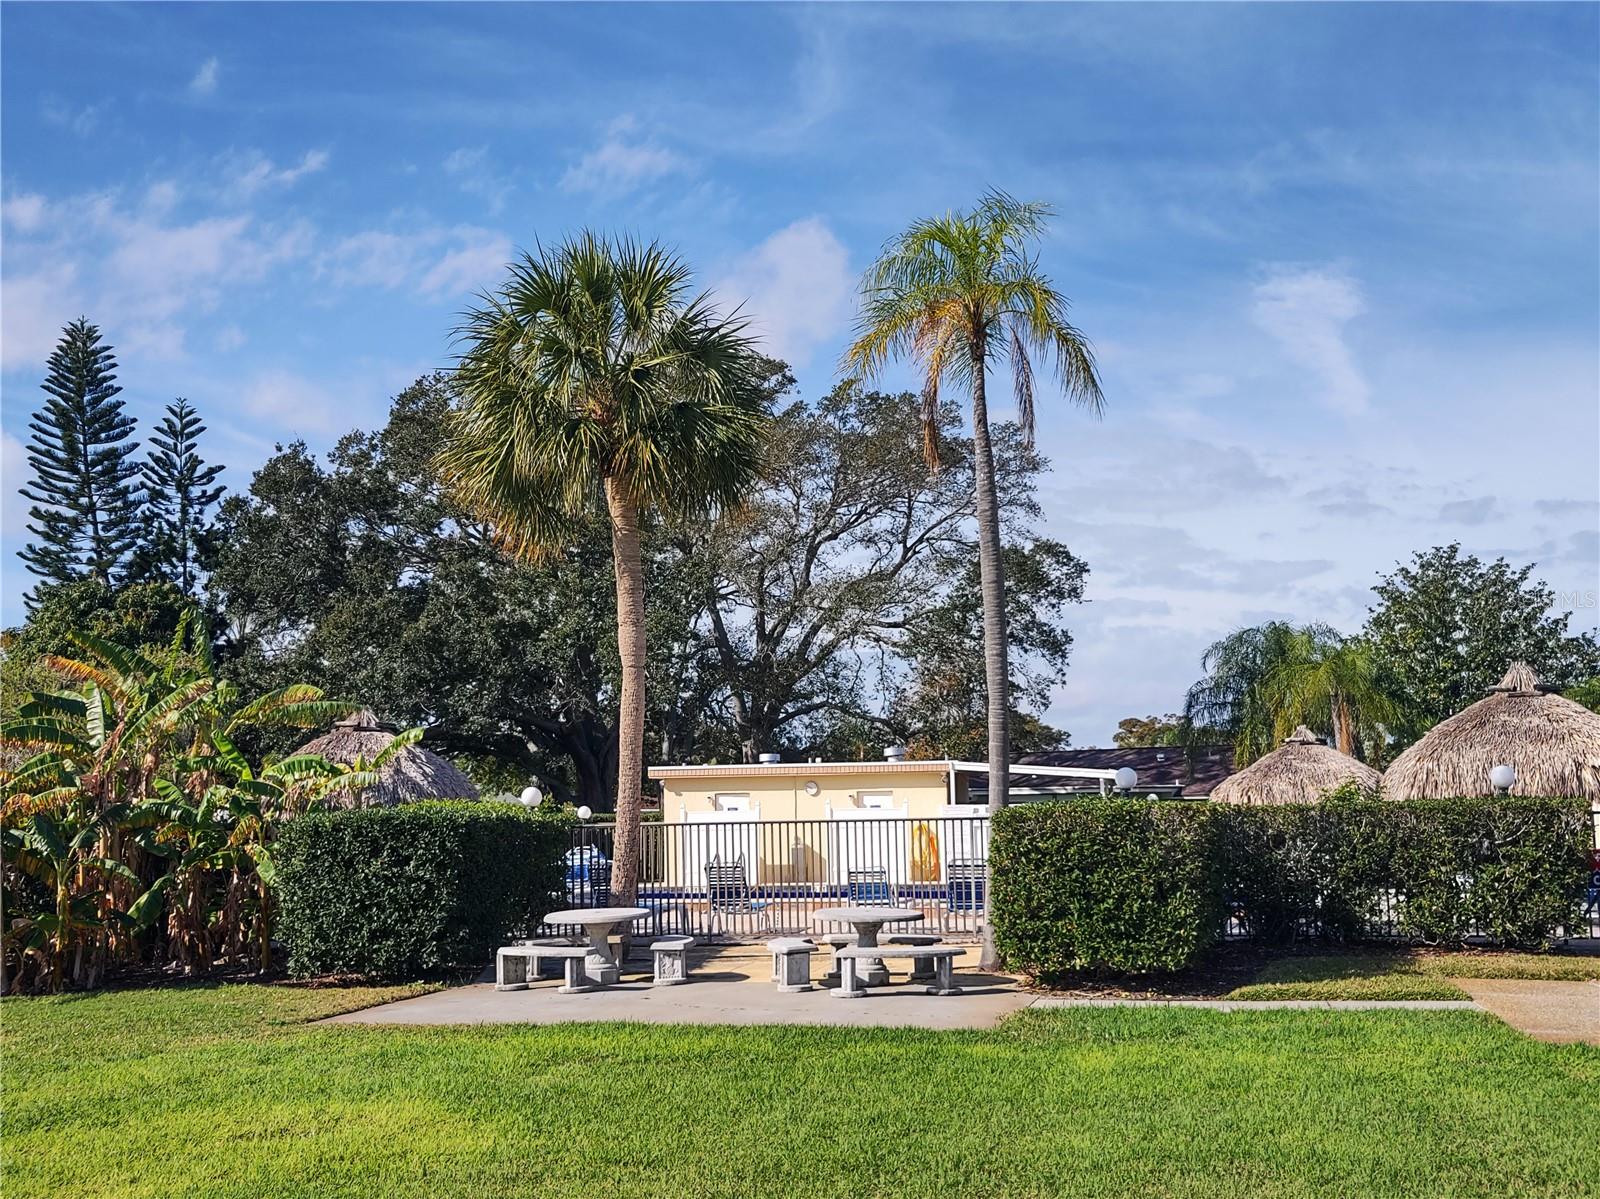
(958, 293)
(594, 376)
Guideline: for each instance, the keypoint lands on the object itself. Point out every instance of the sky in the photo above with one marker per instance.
(1340, 264)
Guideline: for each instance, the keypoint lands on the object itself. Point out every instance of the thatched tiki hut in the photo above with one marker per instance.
(414, 773)
(1301, 770)
(1551, 742)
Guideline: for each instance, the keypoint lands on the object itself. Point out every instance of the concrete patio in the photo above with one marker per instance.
(728, 985)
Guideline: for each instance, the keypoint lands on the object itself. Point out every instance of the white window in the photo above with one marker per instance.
(731, 801)
(876, 799)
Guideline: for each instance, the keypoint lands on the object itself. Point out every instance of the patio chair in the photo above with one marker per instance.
(728, 894)
(599, 885)
(965, 882)
(868, 887)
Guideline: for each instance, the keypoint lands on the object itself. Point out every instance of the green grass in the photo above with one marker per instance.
(221, 1092)
(1402, 974)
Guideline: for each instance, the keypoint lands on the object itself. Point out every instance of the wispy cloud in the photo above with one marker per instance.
(430, 262)
(622, 162)
(252, 173)
(795, 286)
(475, 174)
(205, 79)
(1305, 310)
(1478, 511)
(79, 120)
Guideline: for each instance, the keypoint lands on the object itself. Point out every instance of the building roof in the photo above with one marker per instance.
(1301, 770)
(413, 773)
(1551, 742)
(1190, 772)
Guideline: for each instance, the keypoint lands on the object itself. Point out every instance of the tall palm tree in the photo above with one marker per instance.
(958, 293)
(594, 376)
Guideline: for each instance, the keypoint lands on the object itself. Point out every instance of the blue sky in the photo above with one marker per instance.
(1341, 263)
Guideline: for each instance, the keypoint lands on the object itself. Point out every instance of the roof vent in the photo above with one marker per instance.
(769, 759)
(894, 753)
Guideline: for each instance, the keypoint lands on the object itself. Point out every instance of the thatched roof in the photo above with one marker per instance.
(1301, 770)
(413, 773)
(1551, 742)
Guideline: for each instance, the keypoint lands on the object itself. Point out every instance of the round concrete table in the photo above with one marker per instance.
(601, 964)
(867, 920)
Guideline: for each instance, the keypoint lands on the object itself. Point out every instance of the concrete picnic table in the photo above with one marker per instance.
(867, 920)
(601, 964)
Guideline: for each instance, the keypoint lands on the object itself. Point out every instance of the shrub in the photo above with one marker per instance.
(1510, 869)
(1104, 885)
(414, 890)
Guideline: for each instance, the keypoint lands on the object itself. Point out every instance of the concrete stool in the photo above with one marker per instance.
(792, 957)
(922, 970)
(836, 942)
(672, 960)
(512, 964)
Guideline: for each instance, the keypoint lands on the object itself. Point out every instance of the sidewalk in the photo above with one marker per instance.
(1547, 1011)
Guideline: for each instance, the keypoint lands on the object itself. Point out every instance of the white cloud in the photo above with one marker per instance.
(252, 173)
(33, 307)
(80, 121)
(1306, 310)
(431, 262)
(13, 473)
(1478, 511)
(795, 287)
(229, 338)
(472, 170)
(204, 82)
(293, 405)
(621, 163)
(24, 213)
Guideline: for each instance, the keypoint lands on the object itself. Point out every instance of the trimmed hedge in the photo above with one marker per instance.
(1119, 885)
(1430, 870)
(1133, 886)
(415, 890)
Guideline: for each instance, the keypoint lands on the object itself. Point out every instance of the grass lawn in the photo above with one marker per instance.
(225, 1091)
(1403, 974)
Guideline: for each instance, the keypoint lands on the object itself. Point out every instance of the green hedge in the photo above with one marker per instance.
(415, 890)
(1136, 886)
(1104, 885)
(1510, 869)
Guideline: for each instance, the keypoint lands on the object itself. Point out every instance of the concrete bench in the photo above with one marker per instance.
(512, 964)
(544, 966)
(791, 963)
(671, 956)
(921, 968)
(942, 957)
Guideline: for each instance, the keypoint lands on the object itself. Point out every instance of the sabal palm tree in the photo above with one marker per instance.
(959, 293)
(594, 376)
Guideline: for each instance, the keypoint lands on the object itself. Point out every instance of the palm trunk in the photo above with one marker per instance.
(629, 566)
(996, 669)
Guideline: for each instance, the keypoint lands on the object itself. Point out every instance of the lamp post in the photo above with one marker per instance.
(531, 797)
(585, 812)
(1126, 778)
(1501, 778)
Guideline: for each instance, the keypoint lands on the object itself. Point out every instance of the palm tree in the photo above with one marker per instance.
(1263, 681)
(593, 374)
(956, 293)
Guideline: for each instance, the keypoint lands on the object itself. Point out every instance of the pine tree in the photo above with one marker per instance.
(178, 490)
(84, 511)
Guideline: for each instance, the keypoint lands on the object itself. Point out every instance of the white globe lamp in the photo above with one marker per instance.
(532, 797)
(1502, 777)
(1126, 777)
(585, 812)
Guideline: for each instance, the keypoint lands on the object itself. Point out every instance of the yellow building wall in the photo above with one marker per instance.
(922, 794)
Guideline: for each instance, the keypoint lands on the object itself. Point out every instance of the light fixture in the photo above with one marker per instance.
(1125, 779)
(532, 797)
(1502, 777)
(585, 812)
(811, 787)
